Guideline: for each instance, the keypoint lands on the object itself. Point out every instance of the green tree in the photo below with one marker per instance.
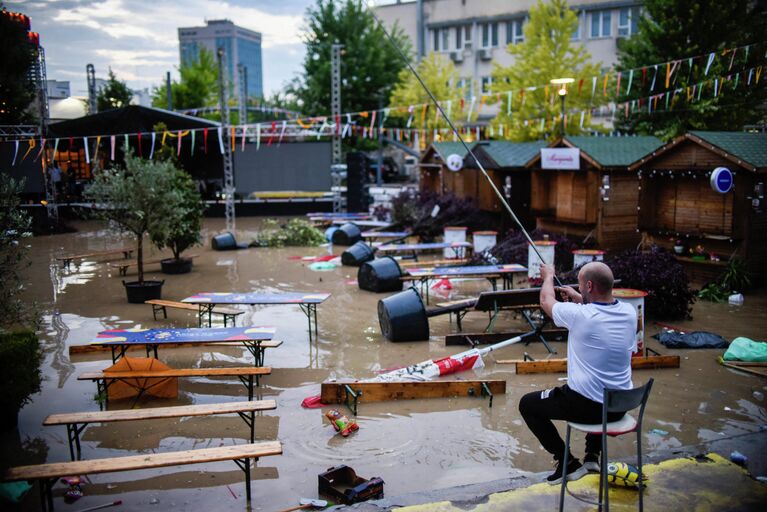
(115, 94)
(546, 53)
(370, 64)
(197, 87)
(678, 29)
(15, 229)
(442, 78)
(17, 91)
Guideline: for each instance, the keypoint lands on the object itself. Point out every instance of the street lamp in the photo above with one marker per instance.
(562, 83)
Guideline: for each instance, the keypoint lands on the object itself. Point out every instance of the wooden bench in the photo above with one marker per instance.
(123, 267)
(66, 260)
(76, 422)
(162, 305)
(246, 374)
(48, 474)
(433, 263)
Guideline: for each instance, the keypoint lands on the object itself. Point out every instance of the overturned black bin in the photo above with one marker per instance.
(226, 242)
(357, 254)
(380, 275)
(348, 234)
(403, 317)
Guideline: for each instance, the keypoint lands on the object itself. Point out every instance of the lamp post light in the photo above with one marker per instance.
(562, 83)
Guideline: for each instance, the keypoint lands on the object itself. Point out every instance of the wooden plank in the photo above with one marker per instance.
(554, 334)
(129, 264)
(742, 368)
(159, 412)
(333, 392)
(88, 349)
(193, 307)
(434, 263)
(143, 461)
(189, 372)
(560, 365)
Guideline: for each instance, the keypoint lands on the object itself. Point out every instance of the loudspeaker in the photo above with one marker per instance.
(357, 197)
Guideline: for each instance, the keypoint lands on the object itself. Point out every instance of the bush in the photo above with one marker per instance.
(297, 232)
(413, 212)
(657, 272)
(20, 378)
(513, 248)
(15, 226)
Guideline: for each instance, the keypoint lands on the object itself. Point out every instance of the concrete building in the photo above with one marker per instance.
(475, 33)
(243, 48)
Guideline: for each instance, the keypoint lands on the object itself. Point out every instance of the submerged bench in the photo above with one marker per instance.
(48, 474)
(76, 422)
(246, 375)
(123, 266)
(66, 260)
(162, 305)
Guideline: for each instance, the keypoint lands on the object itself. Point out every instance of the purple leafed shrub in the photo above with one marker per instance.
(513, 248)
(658, 273)
(414, 212)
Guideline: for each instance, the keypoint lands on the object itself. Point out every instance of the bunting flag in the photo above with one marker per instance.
(449, 107)
(410, 109)
(32, 143)
(205, 139)
(732, 58)
(583, 113)
(668, 74)
(593, 86)
(242, 138)
(179, 136)
(140, 153)
(271, 134)
(96, 152)
(758, 74)
(654, 77)
(42, 147)
(521, 98)
(191, 152)
(347, 126)
(112, 140)
(219, 131)
(232, 139)
(644, 76)
(285, 124)
(716, 87)
(151, 150)
(423, 115)
(618, 84)
(15, 153)
(373, 120)
(710, 61)
(258, 137)
(604, 85)
(125, 145)
(55, 149)
(689, 71)
(631, 79)
(87, 154)
(164, 136)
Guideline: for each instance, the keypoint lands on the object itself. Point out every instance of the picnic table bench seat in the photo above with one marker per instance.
(246, 374)
(66, 260)
(159, 305)
(77, 421)
(49, 474)
(123, 266)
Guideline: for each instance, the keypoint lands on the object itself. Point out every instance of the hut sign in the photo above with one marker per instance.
(721, 180)
(454, 162)
(561, 158)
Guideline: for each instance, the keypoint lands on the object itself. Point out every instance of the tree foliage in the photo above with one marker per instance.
(183, 227)
(678, 29)
(441, 77)
(370, 64)
(197, 87)
(15, 229)
(546, 53)
(140, 198)
(114, 94)
(17, 91)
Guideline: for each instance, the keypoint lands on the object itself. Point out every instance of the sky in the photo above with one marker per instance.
(138, 39)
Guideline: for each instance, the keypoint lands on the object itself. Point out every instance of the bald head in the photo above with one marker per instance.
(601, 278)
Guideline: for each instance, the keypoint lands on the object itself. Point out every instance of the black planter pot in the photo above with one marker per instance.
(138, 293)
(179, 266)
(9, 420)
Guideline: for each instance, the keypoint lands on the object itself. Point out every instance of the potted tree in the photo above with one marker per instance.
(183, 227)
(137, 199)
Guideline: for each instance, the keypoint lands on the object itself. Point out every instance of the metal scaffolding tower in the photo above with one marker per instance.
(223, 88)
(41, 81)
(335, 99)
(242, 74)
(90, 72)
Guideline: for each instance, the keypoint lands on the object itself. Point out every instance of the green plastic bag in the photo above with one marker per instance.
(744, 349)
(14, 491)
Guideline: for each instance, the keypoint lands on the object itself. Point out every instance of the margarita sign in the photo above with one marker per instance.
(561, 158)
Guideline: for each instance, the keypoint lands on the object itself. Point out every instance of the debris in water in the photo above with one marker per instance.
(738, 458)
(758, 395)
(659, 432)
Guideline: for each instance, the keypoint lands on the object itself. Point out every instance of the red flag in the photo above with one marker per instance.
(205, 139)
(644, 75)
(580, 86)
(139, 146)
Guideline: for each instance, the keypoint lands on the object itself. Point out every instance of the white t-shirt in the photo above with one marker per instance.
(599, 345)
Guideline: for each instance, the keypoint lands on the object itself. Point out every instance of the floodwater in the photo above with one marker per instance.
(413, 445)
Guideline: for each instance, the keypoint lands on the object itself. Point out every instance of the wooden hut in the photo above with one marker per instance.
(434, 175)
(599, 197)
(505, 163)
(678, 203)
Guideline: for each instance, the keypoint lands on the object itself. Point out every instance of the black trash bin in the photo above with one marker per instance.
(357, 254)
(403, 317)
(380, 275)
(348, 234)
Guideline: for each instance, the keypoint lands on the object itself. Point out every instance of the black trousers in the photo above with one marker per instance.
(562, 403)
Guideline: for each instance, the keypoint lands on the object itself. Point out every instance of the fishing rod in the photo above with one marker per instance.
(458, 136)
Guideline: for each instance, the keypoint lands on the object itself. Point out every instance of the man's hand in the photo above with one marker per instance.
(568, 294)
(547, 272)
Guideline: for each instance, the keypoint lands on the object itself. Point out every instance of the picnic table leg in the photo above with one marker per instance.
(247, 381)
(494, 283)
(250, 420)
(244, 465)
(538, 329)
(46, 493)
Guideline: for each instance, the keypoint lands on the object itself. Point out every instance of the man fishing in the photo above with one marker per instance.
(599, 346)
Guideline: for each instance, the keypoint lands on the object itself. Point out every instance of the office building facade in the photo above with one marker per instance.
(474, 34)
(242, 46)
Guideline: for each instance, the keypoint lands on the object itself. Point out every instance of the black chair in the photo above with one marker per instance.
(613, 401)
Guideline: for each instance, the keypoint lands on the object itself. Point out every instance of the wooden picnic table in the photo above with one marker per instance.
(372, 236)
(123, 266)
(308, 302)
(492, 273)
(252, 338)
(460, 248)
(66, 260)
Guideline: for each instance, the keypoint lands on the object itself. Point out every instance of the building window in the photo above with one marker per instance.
(600, 24)
(489, 35)
(628, 21)
(514, 33)
(577, 33)
(467, 31)
(441, 36)
(487, 84)
(463, 37)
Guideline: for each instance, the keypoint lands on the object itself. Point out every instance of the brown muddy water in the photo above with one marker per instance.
(413, 445)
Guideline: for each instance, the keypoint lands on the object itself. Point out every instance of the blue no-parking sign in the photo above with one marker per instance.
(722, 180)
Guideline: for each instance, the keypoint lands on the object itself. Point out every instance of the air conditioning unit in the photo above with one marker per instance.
(486, 54)
(456, 56)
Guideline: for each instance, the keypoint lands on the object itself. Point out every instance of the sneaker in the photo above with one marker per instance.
(574, 471)
(591, 462)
